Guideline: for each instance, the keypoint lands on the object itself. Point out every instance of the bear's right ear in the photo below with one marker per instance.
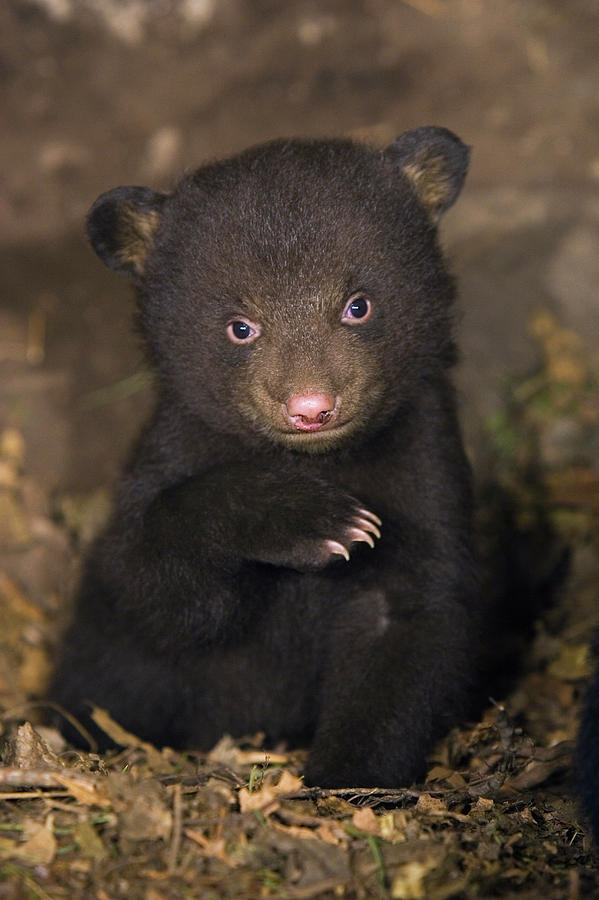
(121, 226)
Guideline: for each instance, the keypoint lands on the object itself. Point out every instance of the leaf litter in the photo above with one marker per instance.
(495, 816)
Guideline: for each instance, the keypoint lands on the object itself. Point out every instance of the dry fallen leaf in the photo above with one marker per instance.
(84, 790)
(483, 805)
(534, 774)
(408, 882)
(331, 832)
(298, 831)
(89, 841)
(41, 847)
(227, 752)
(35, 670)
(367, 821)
(214, 847)
(142, 807)
(393, 826)
(426, 803)
(264, 800)
(288, 783)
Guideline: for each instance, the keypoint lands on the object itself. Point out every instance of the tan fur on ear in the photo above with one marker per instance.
(136, 236)
(435, 161)
(431, 180)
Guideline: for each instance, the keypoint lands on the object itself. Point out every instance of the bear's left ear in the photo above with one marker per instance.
(121, 226)
(435, 161)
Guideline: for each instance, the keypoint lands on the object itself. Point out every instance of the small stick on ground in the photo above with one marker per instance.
(175, 846)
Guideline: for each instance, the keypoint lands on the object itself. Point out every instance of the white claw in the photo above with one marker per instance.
(370, 515)
(357, 534)
(367, 525)
(336, 547)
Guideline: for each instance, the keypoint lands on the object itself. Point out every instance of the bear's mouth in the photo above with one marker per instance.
(305, 423)
(314, 433)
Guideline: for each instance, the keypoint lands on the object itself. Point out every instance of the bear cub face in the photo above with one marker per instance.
(300, 282)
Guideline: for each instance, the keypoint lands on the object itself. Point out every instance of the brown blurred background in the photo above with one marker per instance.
(96, 93)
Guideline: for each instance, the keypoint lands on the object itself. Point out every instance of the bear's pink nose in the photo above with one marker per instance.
(310, 411)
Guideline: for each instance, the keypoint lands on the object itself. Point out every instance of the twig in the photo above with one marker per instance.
(175, 846)
(33, 795)
(16, 777)
(382, 795)
(77, 785)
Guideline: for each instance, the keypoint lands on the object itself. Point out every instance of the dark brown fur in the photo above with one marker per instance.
(213, 603)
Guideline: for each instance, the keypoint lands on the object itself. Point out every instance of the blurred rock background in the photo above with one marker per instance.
(96, 93)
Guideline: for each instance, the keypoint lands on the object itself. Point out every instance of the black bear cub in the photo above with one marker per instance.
(290, 548)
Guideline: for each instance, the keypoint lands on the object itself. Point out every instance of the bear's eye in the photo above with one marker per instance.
(240, 331)
(357, 310)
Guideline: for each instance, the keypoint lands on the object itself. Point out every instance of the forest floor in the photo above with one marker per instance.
(495, 816)
(98, 92)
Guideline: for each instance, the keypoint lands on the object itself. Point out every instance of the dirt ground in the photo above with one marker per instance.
(96, 93)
